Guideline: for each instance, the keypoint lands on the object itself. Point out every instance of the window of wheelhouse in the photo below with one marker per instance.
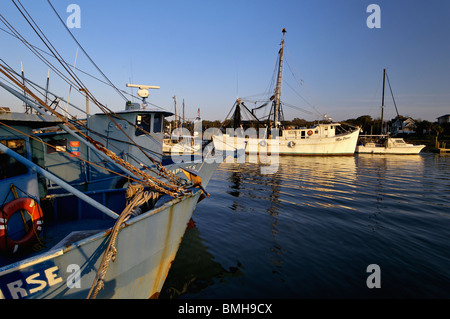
(143, 124)
(10, 167)
(157, 123)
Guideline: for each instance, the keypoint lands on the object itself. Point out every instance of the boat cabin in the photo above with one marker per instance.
(317, 131)
(15, 132)
(396, 142)
(144, 126)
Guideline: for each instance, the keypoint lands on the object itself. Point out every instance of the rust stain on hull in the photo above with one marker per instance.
(161, 265)
(154, 296)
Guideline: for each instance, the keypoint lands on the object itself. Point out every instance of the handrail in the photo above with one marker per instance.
(58, 181)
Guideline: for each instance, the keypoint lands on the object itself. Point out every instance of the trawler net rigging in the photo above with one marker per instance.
(172, 189)
(174, 186)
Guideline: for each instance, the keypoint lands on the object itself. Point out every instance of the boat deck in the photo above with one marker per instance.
(68, 219)
(57, 235)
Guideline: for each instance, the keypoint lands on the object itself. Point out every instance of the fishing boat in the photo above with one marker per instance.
(99, 243)
(383, 143)
(324, 138)
(181, 141)
(137, 136)
(68, 229)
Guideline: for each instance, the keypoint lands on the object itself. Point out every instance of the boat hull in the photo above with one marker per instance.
(408, 150)
(343, 144)
(146, 246)
(387, 145)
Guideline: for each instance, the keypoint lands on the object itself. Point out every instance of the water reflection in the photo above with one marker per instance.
(194, 268)
(311, 228)
(250, 204)
(248, 184)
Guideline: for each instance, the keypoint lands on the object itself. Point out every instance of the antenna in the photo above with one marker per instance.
(27, 107)
(143, 90)
(70, 88)
(46, 88)
(237, 79)
(175, 106)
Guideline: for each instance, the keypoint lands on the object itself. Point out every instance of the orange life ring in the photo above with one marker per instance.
(310, 132)
(33, 208)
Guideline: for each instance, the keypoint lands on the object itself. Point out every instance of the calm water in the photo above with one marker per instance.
(311, 229)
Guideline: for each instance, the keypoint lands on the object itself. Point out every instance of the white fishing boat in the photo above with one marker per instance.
(181, 145)
(180, 141)
(320, 139)
(384, 143)
(325, 138)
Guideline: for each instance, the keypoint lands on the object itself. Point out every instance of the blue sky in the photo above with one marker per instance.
(202, 51)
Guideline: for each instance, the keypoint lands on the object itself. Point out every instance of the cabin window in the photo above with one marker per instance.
(10, 167)
(56, 146)
(157, 121)
(143, 124)
(302, 134)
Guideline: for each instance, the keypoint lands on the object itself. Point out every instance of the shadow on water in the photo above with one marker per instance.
(194, 268)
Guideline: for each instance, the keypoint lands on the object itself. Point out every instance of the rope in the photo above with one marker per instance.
(75, 78)
(84, 51)
(146, 177)
(135, 197)
(14, 191)
(67, 153)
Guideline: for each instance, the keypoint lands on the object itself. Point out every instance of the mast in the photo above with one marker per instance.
(46, 87)
(183, 114)
(382, 104)
(278, 87)
(87, 100)
(27, 108)
(175, 106)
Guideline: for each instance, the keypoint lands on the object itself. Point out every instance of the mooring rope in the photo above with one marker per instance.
(136, 196)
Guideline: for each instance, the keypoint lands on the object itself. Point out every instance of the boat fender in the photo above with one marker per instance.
(310, 132)
(263, 143)
(291, 144)
(34, 210)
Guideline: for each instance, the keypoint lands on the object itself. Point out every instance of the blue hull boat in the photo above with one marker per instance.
(79, 244)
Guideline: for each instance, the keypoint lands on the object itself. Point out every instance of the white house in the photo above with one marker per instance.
(444, 119)
(403, 126)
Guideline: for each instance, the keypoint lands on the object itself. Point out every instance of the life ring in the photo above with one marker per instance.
(33, 209)
(263, 143)
(291, 144)
(310, 132)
